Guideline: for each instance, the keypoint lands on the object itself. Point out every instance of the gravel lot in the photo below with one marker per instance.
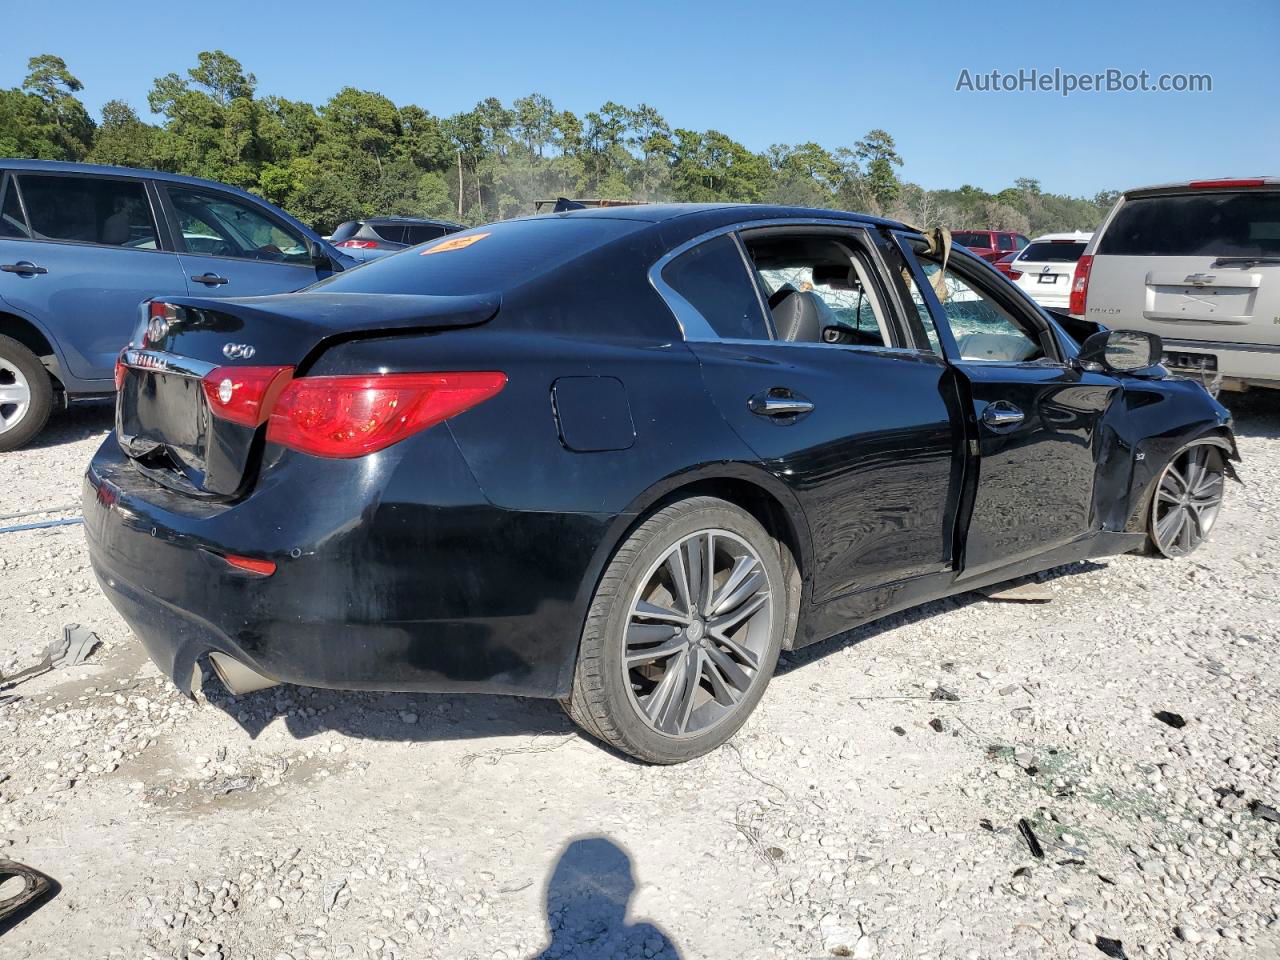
(852, 816)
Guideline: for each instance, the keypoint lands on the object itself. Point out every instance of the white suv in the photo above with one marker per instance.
(1044, 268)
(1199, 264)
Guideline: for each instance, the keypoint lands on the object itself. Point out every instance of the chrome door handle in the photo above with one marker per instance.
(210, 279)
(778, 402)
(1001, 415)
(24, 267)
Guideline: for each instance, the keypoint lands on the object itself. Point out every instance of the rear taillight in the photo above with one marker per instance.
(1227, 184)
(359, 244)
(1013, 274)
(345, 417)
(1080, 285)
(121, 370)
(244, 395)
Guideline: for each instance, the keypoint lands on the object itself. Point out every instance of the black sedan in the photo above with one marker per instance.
(622, 458)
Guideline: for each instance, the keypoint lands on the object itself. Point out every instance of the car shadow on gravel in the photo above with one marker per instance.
(798, 658)
(83, 420)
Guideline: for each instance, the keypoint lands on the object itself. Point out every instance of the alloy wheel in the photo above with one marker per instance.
(15, 395)
(698, 627)
(1187, 500)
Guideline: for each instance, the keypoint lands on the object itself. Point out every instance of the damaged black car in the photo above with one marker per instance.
(622, 458)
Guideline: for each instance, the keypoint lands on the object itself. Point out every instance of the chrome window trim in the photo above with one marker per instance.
(694, 326)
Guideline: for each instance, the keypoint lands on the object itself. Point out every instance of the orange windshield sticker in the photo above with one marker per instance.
(454, 243)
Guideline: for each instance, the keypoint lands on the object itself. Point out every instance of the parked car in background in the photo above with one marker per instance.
(1004, 264)
(1044, 267)
(765, 428)
(82, 246)
(378, 236)
(1197, 262)
(989, 244)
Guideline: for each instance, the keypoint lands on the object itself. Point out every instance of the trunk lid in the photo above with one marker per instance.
(164, 421)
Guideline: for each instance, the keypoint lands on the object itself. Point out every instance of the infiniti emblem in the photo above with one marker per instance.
(157, 329)
(238, 351)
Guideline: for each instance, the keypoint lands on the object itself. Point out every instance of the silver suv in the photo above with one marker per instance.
(1199, 264)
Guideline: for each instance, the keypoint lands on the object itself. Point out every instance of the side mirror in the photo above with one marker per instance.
(1122, 351)
(319, 256)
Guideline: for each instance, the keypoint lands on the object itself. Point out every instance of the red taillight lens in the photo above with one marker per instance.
(1013, 274)
(352, 416)
(244, 395)
(1228, 184)
(359, 244)
(1080, 285)
(121, 370)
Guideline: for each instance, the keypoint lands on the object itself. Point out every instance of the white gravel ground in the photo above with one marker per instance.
(853, 815)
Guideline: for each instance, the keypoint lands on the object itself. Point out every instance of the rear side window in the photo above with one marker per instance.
(970, 239)
(488, 259)
(421, 234)
(1053, 251)
(714, 280)
(391, 232)
(1005, 242)
(1189, 225)
(12, 222)
(89, 210)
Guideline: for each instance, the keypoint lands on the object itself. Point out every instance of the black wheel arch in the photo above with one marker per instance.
(34, 338)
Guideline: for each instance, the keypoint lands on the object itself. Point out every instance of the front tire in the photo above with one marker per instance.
(1186, 500)
(26, 395)
(683, 633)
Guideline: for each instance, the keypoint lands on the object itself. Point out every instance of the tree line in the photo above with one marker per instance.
(359, 154)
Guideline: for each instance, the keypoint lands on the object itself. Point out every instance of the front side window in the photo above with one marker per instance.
(982, 327)
(12, 223)
(89, 210)
(220, 226)
(713, 279)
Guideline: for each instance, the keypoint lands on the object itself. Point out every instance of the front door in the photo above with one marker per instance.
(230, 247)
(1034, 417)
(864, 430)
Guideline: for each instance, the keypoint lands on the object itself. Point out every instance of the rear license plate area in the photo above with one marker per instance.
(1049, 278)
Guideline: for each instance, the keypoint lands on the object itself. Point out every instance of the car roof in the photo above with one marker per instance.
(64, 166)
(1077, 235)
(712, 215)
(428, 221)
(1183, 185)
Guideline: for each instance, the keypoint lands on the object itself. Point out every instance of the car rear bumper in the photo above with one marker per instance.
(373, 589)
(1250, 363)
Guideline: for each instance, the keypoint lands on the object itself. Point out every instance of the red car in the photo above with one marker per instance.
(990, 244)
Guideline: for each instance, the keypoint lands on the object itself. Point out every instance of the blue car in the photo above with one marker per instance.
(82, 245)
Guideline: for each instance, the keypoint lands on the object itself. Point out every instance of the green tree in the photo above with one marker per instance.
(880, 154)
(122, 139)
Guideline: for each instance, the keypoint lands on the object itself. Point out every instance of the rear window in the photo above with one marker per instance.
(1053, 251)
(344, 231)
(969, 239)
(495, 257)
(1201, 224)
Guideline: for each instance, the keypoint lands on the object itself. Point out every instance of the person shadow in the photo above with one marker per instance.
(587, 898)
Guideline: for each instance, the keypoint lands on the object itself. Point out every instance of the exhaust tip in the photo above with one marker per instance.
(236, 677)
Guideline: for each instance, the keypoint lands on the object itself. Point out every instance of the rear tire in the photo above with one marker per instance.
(670, 668)
(26, 395)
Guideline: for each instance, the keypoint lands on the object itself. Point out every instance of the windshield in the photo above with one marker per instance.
(485, 259)
(1196, 224)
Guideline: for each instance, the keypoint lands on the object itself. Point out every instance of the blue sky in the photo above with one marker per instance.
(762, 72)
